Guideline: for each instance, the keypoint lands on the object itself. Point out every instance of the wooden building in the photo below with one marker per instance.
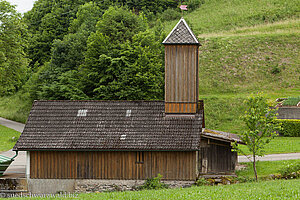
(131, 139)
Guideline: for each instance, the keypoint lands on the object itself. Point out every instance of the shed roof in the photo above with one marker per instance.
(220, 135)
(181, 34)
(108, 125)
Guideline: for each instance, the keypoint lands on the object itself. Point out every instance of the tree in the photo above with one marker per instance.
(13, 61)
(123, 59)
(58, 79)
(261, 127)
(50, 20)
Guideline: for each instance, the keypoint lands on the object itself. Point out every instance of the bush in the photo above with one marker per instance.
(291, 171)
(290, 127)
(170, 14)
(193, 4)
(154, 184)
(202, 181)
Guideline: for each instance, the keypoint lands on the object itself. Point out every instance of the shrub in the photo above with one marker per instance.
(290, 127)
(290, 171)
(202, 181)
(170, 14)
(154, 184)
(193, 4)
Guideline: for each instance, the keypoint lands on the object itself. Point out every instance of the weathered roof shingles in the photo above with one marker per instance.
(181, 34)
(55, 125)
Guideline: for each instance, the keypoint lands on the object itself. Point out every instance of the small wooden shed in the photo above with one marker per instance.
(131, 139)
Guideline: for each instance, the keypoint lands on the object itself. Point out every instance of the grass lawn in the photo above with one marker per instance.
(279, 189)
(280, 145)
(265, 168)
(6, 135)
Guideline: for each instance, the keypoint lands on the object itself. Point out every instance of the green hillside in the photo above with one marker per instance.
(215, 16)
(247, 47)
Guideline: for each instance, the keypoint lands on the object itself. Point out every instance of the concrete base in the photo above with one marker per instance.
(50, 186)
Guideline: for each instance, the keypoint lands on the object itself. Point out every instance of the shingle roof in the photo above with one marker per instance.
(220, 135)
(108, 125)
(181, 34)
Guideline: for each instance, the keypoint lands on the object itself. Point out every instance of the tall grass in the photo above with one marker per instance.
(249, 63)
(290, 26)
(221, 15)
(15, 107)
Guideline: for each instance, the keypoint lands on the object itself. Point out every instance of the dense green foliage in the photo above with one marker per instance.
(290, 127)
(8, 138)
(291, 170)
(119, 58)
(123, 60)
(59, 78)
(13, 62)
(50, 20)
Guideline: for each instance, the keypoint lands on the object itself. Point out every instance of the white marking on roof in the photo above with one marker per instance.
(128, 113)
(82, 113)
(123, 137)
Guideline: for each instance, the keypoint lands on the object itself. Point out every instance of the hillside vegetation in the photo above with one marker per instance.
(248, 46)
(215, 16)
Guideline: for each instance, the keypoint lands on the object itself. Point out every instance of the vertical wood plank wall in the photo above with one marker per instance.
(181, 78)
(112, 165)
(216, 157)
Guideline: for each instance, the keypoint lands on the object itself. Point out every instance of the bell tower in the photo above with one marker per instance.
(181, 70)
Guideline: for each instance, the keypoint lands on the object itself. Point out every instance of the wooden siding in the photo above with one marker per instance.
(216, 157)
(180, 107)
(181, 74)
(112, 165)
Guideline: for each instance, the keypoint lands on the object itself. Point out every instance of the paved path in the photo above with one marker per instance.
(17, 168)
(272, 157)
(11, 124)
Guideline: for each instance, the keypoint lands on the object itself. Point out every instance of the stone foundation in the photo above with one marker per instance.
(54, 186)
(85, 186)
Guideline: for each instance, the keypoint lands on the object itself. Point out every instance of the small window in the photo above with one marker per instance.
(139, 157)
(81, 113)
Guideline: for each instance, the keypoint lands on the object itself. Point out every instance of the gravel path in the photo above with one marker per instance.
(12, 124)
(272, 157)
